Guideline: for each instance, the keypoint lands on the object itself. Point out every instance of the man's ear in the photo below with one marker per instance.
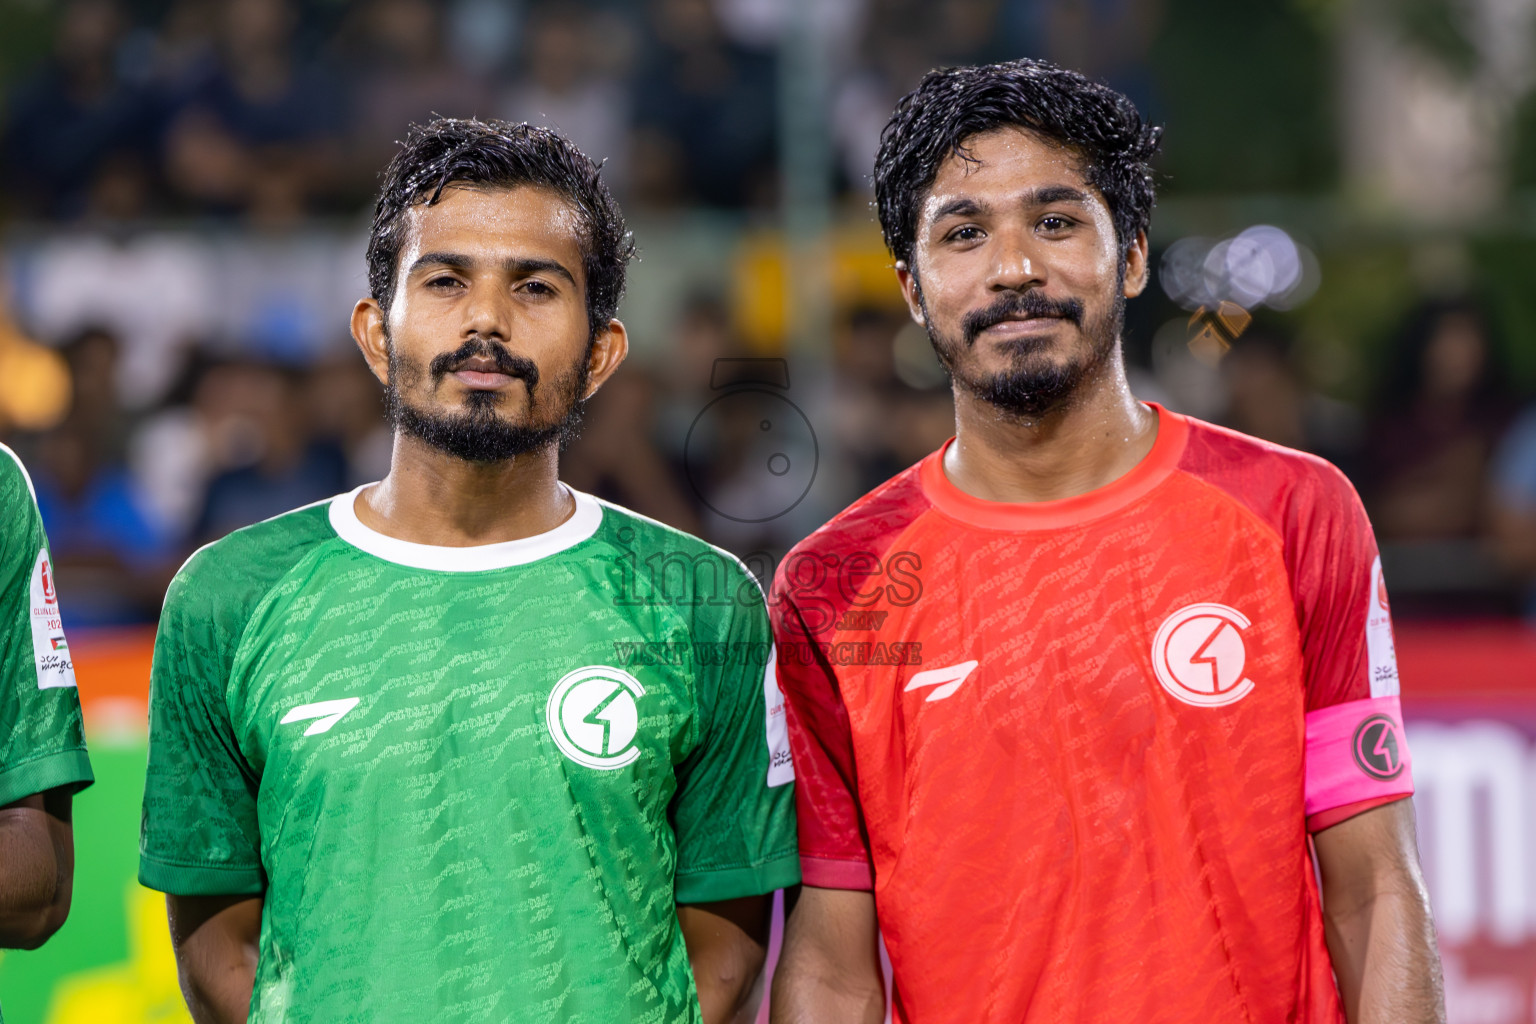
(368, 331)
(911, 291)
(1136, 268)
(609, 349)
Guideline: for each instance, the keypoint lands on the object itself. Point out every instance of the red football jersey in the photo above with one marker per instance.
(1076, 747)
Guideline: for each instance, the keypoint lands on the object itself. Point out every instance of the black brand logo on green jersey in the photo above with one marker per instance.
(593, 716)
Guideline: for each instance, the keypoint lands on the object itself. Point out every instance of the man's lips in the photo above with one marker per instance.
(483, 380)
(1022, 327)
(482, 374)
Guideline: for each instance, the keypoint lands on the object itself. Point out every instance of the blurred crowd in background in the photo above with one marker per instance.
(185, 187)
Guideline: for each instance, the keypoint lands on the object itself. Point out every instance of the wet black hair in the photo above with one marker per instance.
(952, 105)
(500, 155)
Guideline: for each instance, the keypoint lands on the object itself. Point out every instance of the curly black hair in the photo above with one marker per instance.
(952, 105)
(498, 154)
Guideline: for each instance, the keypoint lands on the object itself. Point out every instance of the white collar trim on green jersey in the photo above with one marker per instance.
(582, 524)
(24, 474)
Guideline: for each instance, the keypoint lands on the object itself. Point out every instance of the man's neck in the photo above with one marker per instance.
(430, 497)
(1096, 438)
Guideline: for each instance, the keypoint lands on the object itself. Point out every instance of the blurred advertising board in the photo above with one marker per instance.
(1469, 694)
(1469, 697)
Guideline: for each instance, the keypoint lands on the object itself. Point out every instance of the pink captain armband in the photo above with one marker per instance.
(1356, 755)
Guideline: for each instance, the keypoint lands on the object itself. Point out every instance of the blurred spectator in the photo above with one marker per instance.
(894, 58)
(1107, 40)
(865, 388)
(399, 75)
(345, 407)
(261, 436)
(154, 291)
(616, 456)
(565, 85)
(1444, 409)
(256, 134)
(1267, 398)
(75, 116)
(702, 103)
(101, 535)
(1513, 501)
(702, 336)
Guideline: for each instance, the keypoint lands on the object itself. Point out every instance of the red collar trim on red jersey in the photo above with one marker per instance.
(1172, 433)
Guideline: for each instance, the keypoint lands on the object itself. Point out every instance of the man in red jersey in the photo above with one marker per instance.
(1074, 700)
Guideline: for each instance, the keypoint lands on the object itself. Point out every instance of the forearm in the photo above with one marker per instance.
(34, 886)
(219, 993)
(217, 943)
(727, 943)
(801, 995)
(728, 988)
(1384, 956)
(829, 971)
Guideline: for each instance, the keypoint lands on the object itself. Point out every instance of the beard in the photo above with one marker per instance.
(1033, 385)
(477, 432)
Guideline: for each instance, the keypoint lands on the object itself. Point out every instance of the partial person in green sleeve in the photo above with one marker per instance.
(467, 744)
(42, 744)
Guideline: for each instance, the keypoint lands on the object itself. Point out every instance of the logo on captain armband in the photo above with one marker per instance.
(1378, 747)
(1199, 656)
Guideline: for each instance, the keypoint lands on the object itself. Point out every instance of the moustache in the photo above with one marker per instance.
(1016, 305)
(509, 363)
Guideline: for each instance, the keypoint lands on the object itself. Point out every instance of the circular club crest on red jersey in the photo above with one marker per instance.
(1198, 655)
(1378, 747)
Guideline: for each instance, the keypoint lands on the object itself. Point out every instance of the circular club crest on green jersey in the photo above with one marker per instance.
(593, 716)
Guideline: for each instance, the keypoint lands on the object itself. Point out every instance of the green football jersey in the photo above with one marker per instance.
(42, 742)
(470, 784)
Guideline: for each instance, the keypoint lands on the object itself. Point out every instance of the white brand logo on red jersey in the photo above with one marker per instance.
(1199, 655)
(950, 677)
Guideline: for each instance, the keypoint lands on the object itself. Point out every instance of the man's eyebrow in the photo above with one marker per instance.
(519, 265)
(525, 265)
(1047, 194)
(456, 260)
(969, 206)
(960, 206)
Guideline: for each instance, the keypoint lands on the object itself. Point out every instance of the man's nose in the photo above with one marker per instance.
(1016, 263)
(487, 313)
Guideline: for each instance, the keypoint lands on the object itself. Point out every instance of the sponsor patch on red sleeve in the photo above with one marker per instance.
(1356, 752)
(1380, 648)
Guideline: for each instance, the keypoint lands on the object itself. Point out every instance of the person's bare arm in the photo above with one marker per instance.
(727, 944)
(1376, 917)
(829, 970)
(37, 868)
(216, 941)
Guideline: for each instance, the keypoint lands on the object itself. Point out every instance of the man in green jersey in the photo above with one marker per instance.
(404, 762)
(42, 744)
